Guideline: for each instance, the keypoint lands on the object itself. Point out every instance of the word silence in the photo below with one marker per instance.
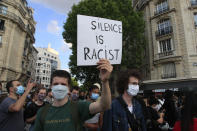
(98, 38)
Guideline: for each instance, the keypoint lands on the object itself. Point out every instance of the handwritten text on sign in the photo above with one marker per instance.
(98, 38)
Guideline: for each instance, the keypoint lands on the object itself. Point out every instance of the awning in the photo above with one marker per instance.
(180, 83)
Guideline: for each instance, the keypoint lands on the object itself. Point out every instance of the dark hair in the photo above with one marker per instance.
(49, 90)
(189, 111)
(123, 79)
(0, 84)
(41, 88)
(152, 101)
(9, 84)
(61, 73)
(33, 94)
(168, 95)
(93, 87)
(75, 88)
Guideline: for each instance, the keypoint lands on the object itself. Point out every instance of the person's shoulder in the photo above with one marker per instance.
(115, 100)
(116, 103)
(44, 108)
(8, 100)
(81, 103)
(136, 102)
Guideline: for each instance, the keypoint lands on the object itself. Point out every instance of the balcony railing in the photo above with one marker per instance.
(21, 8)
(164, 31)
(169, 75)
(194, 3)
(13, 17)
(157, 12)
(29, 31)
(165, 54)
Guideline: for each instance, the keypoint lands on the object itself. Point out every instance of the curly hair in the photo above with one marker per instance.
(123, 79)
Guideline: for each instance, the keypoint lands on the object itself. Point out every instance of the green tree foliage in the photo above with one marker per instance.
(133, 34)
(74, 82)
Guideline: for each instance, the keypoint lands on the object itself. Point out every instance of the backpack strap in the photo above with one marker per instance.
(44, 113)
(75, 114)
(133, 122)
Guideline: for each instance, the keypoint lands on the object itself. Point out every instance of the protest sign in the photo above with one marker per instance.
(98, 38)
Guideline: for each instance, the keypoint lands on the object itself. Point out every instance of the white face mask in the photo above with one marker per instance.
(133, 89)
(59, 91)
(157, 107)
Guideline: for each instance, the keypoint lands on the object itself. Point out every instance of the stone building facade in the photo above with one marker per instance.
(17, 28)
(171, 32)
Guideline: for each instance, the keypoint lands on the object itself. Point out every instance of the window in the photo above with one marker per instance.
(161, 7)
(3, 9)
(169, 71)
(164, 27)
(48, 55)
(163, 24)
(195, 19)
(39, 58)
(48, 65)
(2, 22)
(165, 46)
(43, 78)
(44, 71)
(25, 3)
(39, 64)
(38, 71)
(193, 2)
(23, 64)
(37, 78)
(45, 54)
(51, 56)
(55, 58)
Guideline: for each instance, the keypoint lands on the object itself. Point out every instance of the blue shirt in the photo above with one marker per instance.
(10, 121)
(115, 119)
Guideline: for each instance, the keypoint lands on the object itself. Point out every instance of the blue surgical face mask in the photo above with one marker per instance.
(20, 90)
(59, 91)
(94, 96)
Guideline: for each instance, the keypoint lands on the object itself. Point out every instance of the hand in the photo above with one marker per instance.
(30, 85)
(105, 69)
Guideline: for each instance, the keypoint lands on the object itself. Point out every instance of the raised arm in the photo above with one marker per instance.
(20, 102)
(104, 102)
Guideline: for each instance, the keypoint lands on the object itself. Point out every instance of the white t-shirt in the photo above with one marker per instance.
(94, 119)
(130, 109)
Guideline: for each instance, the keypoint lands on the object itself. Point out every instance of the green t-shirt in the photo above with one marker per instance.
(60, 118)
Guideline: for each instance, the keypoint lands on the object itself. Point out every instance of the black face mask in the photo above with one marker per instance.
(81, 97)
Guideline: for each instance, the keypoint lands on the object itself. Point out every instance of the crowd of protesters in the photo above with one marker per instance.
(62, 107)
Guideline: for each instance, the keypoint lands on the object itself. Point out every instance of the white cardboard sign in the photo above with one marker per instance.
(98, 38)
